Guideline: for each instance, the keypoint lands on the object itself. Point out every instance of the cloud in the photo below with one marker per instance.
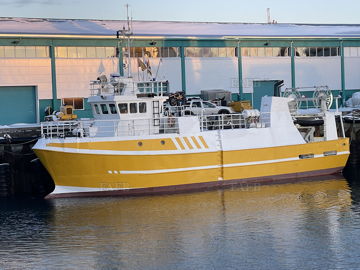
(20, 3)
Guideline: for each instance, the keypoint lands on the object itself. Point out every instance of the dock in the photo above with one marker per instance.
(21, 173)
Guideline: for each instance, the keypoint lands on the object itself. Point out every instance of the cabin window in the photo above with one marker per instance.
(96, 107)
(142, 107)
(123, 108)
(133, 107)
(113, 108)
(104, 109)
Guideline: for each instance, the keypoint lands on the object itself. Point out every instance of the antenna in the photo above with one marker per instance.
(268, 15)
(127, 33)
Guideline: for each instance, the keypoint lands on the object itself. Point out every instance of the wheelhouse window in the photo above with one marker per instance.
(104, 109)
(112, 108)
(76, 102)
(123, 108)
(96, 108)
(142, 107)
(133, 107)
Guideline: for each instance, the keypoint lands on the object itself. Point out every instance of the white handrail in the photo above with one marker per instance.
(146, 126)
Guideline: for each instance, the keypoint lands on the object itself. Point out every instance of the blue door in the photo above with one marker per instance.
(262, 88)
(17, 105)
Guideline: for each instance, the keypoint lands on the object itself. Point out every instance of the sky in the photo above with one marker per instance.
(249, 11)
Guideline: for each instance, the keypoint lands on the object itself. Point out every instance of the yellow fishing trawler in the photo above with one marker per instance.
(137, 145)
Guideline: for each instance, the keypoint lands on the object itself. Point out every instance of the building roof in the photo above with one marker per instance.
(35, 26)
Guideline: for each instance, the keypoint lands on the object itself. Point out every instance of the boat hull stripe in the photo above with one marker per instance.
(195, 142)
(188, 143)
(176, 143)
(203, 142)
(180, 143)
(219, 166)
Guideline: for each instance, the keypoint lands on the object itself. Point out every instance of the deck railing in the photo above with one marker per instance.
(98, 88)
(139, 127)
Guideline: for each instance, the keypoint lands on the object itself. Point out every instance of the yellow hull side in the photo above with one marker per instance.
(107, 171)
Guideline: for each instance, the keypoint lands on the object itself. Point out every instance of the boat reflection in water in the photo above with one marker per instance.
(307, 225)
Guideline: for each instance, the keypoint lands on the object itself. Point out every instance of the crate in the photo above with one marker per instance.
(239, 106)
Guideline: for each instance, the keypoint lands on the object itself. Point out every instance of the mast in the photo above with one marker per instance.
(127, 33)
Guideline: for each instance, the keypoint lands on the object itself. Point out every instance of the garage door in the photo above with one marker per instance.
(17, 104)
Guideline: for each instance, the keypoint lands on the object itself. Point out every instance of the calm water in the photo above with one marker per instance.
(312, 225)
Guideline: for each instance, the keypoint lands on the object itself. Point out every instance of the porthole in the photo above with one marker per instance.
(140, 143)
(162, 142)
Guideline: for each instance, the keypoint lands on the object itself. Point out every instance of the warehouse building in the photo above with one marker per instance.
(49, 62)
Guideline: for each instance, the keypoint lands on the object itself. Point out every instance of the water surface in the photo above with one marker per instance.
(310, 225)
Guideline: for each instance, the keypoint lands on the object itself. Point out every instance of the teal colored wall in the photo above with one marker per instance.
(18, 105)
(43, 103)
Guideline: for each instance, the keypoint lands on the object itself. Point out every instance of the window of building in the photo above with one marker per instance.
(312, 52)
(104, 109)
(85, 52)
(112, 108)
(265, 52)
(30, 51)
(142, 107)
(24, 52)
(123, 108)
(20, 52)
(209, 52)
(261, 52)
(100, 52)
(61, 52)
(91, 52)
(77, 102)
(72, 52)
(42, 52)
(133, 107)
(317, 52)
(152, 52)
(81, 52)
(334, 51)
(320, 52)
(206, 52)
(352, 51)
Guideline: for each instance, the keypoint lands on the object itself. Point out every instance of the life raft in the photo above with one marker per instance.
(309, 122)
